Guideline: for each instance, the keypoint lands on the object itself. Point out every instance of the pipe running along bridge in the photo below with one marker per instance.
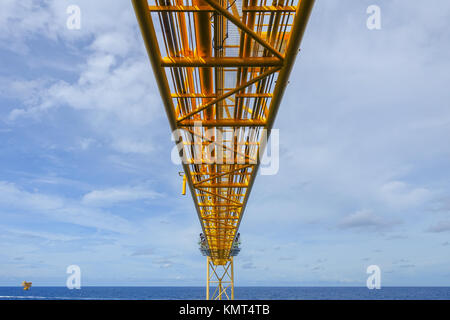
(222, 67)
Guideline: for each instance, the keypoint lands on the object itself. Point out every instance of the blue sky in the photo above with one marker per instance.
(86, 176)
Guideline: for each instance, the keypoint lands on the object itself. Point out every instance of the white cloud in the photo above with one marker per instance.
(22, 18)
(441, 226)
(367, 220)
(50, 236)
(117, 43)
(400, 194)
(114, 89)
(117, 99)
(127, 145)
(12, 196)
(121, 194)
(59, 209)
(143, 252)
(85, 143)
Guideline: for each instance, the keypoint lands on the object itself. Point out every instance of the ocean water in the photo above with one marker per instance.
(242, 293)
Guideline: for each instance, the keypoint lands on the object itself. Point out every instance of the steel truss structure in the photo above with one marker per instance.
(219, 280)
(222, 67)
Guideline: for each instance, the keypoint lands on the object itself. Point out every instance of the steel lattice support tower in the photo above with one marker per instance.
(222, 67)
(219, 280)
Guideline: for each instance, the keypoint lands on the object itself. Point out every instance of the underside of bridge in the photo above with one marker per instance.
(222, 67)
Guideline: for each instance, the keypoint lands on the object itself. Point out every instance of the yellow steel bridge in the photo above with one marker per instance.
(222, 67)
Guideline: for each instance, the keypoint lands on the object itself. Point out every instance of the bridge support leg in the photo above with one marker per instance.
(219, 280)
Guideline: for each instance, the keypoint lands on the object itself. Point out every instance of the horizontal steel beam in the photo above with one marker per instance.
(194, 8)
(223, 123)
(220, 62)
(269, 9)
(215, 162)
(202, 95)
(209, 219)
(218, 205)
(222, 185)
(180, 8)
(233, 171)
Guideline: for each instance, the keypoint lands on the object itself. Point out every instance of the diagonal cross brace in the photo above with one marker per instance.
(244, 28)
(229, 93)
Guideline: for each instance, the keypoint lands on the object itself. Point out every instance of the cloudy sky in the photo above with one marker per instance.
(86, 176)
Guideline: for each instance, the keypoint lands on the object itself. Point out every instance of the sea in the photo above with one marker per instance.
(241, 293)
